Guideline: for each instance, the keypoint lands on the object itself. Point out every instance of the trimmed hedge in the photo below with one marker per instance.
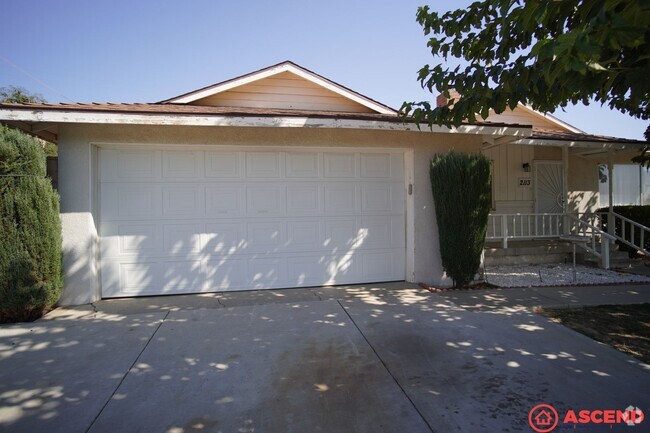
(639, 214)
(30, 230)
(462, 195)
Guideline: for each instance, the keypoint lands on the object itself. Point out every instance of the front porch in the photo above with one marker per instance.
(538, 238)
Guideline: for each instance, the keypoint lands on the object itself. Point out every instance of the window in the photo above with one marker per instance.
(631, 185)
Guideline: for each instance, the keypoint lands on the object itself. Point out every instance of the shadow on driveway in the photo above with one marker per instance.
(384, 358)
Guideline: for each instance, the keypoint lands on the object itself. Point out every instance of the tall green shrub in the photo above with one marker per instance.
(30, 230)
(462, 195)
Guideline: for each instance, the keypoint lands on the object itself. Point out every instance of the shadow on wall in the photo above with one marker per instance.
(583, 201)
(79, 268)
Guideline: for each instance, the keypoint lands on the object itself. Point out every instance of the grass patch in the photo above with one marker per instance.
(624, 327)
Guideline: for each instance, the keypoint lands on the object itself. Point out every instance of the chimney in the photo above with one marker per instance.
(441, 101)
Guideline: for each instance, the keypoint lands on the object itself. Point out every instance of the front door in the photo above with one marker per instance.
(549, 186)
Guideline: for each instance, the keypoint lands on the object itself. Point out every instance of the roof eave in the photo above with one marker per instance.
(552, 119)
(612, 144)
(62, 116)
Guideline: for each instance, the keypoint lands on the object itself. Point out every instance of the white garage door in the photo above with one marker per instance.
(199, 221)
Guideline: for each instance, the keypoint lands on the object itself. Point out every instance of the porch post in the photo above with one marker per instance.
(565, 188)
(610, 186)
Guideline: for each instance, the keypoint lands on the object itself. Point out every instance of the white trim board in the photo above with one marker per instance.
(63, 116)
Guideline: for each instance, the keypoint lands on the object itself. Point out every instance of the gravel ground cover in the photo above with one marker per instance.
(555, 275)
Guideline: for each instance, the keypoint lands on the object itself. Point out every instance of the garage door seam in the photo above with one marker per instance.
(126, 373)
(386, 367)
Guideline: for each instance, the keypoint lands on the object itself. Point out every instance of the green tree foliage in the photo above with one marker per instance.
(18, 95)
(644, 157)
(545, 54)
(30, 230)
(462, 195)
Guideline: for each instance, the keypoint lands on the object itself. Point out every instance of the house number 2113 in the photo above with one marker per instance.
(525, 182)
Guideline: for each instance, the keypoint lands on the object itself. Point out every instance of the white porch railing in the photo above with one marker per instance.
(632, 233)
(523, 226)
(599, 241)
(505, 227)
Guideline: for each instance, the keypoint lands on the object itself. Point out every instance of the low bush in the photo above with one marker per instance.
(461, 189)
(30, 230)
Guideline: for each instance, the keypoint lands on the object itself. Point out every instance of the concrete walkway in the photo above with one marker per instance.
(380, 358)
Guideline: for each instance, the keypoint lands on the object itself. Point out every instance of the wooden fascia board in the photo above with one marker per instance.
(219, 88)
(340, 90)
(578, 144)
(71, 117)
(551, 119)
(495, 141)
(311, 77)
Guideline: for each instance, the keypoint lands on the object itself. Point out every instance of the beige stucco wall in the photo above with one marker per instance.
(76, 183)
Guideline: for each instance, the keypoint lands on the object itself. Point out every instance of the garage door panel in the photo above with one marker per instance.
(303, 199)
(266, 273)
(134, 201)
(303, 164)
(226, 273)
(340, 234)
(344, 268)
(376, 232)
(139, 277)
(181, 239)
(187, 165)
(224, 165)
(120, 165)
(267, 237)
(182, 275)
(377, 265)
(376, 198)
(127, 239)
(340, 199)
(265, 200)
(381, 232)
(263, 165)
(308, 270)
(339, 165)
(183, 201)
(375, 165)
(223, 238)
(224, 200)
(303, 236)
(195, 221)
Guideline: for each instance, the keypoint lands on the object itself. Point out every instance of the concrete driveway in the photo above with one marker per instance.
(381, 358)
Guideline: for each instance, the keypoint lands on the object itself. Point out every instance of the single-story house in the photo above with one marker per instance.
(281, 178)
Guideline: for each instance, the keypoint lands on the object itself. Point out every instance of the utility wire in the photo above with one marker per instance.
(27, 74)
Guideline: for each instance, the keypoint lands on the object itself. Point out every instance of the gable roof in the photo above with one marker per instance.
(525, 114)
(285, 69)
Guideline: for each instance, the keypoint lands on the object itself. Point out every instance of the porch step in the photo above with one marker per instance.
(527, 252)
(617, 260)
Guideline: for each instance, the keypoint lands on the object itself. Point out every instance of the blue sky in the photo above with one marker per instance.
(146, 51)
